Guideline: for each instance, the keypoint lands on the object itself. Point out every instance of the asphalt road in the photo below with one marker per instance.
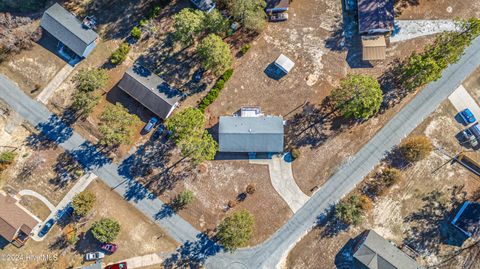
(269, 253)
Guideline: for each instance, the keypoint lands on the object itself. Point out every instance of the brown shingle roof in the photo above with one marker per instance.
(13, 218)
(373, 48)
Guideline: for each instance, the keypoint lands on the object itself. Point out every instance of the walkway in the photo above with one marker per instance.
(81, 185)
(270, 253)
(146, 260)
(38, 196)
(48, 91)
(409, 29)
(283, 182)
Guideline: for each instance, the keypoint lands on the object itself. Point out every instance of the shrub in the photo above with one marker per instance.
(83, 202)
(216, 89)
(250, 189)
(235, 230)
(295, 153)
(232, 203)
(120, 54)
(142, 22)
(154, 12)
(7, 157)
(350, 211)
(390, 176)
(415, 148)
(184, 198)
(136, 32)
(245, 48)
(365, 202)
(105, 230)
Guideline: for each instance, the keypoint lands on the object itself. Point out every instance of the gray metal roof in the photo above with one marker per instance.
(377, 253)
(251, 134)
(65, 27)
(150, 90)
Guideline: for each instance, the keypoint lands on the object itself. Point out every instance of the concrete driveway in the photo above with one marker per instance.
(461, 99)
(283, 182)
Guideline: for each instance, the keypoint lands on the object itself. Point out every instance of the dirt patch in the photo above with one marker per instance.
(416, 212)
(439, 9)
(35, 206)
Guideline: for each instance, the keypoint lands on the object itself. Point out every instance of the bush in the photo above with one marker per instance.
(390, 176)
(136, 32)
(83, 202)
(7, 157)
(235, 230)
(184, 198)
(350, 211)
(250, 189)
(216, 89)
(295, 153)
(245, 48)
(232, 203)
(120, 54)
(415, 148)
(154, 12)
(365, 202)
(105, 230)
(142, 22)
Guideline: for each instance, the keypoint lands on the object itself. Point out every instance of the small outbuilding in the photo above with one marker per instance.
(374, 48)
(374, 252)
(75, 40)
(254, 133)
(467, 220)
(284, 63)
(150, 90)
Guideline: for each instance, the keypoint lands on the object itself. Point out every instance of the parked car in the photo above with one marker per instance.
(93, 256)
(120, 265)
(109, 247)
(151, 123)
(159, 132)
(470, 138)
(46, 228)
(467, 116)
(276, 17)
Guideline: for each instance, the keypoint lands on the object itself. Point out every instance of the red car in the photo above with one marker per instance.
(109, 247)
(120, 265)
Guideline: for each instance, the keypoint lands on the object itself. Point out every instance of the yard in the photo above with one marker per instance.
(417, 212)
(138, 236)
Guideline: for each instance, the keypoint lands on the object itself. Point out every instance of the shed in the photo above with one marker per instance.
(16, 223)
(251, 134)
(150, 90)
(284, 63)
(373, 48)
(467, 220)
(374, 252)
(375, 16)
(68, 30)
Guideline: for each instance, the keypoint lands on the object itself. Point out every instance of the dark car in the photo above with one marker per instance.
(120, 265)
(275, 17)
(109, 247)
(467, 116)
(46, 228)
(151, 123)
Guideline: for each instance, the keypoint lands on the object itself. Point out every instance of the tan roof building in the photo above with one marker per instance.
(374, 48)
(15, 221)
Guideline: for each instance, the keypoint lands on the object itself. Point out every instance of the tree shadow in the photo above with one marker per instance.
(165, 212)
(87, 243)
(314, 125)
(392, 86)
(329, 224)
(430, 226)
(193, 254)
(55, 131)
(65, 168)
(89, 156)
(401, 5)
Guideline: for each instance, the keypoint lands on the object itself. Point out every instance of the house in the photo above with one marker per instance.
(374, 252)
(16, 223)
(75, 40)
(374, 48)
(251, 132)
(150, 90)
(467, 219)
(375, 21)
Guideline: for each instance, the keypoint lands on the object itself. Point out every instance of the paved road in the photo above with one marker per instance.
(39, 116)
(272, 251)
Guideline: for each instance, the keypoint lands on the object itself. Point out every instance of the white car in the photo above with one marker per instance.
(93, 256)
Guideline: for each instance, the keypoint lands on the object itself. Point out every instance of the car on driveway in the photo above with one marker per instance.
(109, 247)
(46, 228)
(276, 17)
(470, 138)
(93, 256)
(467, 116)
(120, 265)
(151, 123)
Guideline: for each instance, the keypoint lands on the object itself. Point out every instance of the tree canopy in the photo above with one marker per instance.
(83, 202)
(235, 230)
(184, 198)
(89, 80)
(215, 23)
(358, 97)
(199, 148)
(84, 103)
(350, 211)
(415, 148)
(188, 24)
(250, 13)
(106, 230)
(185, 123)
(116, 125)
(215, 53)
